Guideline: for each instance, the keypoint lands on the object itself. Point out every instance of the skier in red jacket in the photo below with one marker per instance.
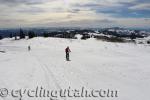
(67, 50)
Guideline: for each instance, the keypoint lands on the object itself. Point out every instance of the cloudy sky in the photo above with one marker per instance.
(74, 13)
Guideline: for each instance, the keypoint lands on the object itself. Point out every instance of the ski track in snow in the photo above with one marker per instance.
(94, 64)
(48, 73)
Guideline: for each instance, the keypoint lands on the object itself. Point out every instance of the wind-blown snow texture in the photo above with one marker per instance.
(94, 64)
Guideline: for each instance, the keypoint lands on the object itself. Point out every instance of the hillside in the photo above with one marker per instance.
(124, 67)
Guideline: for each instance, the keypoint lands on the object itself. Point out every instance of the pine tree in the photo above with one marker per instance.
(22, 35)
(1, 37)
(11, 35)
(133, 36)
(31, 34)
(15, 36)
(45, 34)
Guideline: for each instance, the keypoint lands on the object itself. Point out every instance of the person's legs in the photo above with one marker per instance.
(67, 56)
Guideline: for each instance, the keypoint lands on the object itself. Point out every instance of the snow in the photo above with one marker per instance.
(94, 64)
(78, 36)
(143, 40)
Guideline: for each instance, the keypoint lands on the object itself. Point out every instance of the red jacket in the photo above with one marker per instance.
(67, 50)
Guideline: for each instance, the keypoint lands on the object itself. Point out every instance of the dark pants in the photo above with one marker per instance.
(67, 55)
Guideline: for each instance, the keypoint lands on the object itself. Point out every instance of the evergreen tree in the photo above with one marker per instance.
(1, 37)
(31, 34)
(11, 35)
(22, 35)
(45, 34)
(133, 36)
(15, 36)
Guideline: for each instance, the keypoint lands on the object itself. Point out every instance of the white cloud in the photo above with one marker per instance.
(144, 6)
(65, 13)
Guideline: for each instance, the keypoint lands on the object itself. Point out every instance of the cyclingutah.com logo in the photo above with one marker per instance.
(40, 92)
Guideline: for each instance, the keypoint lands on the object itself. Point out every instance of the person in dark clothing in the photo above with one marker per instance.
(67, 50)
(29, 48)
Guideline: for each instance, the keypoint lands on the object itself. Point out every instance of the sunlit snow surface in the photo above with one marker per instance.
(94, 65)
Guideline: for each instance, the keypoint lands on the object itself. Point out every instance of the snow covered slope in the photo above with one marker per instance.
(124, 67)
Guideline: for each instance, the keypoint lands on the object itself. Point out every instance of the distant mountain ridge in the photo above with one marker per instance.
(41, 31)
